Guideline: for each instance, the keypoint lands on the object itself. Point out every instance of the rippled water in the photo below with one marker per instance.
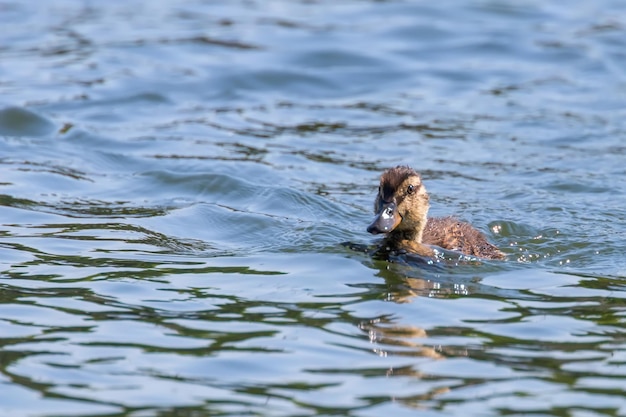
(178, 181)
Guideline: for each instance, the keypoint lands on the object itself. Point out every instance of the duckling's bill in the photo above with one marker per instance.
(386, 219)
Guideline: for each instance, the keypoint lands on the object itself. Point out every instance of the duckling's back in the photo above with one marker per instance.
(450, 233)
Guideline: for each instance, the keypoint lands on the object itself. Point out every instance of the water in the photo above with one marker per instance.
(178, 182)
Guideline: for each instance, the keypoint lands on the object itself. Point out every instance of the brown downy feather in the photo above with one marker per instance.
(450, 233)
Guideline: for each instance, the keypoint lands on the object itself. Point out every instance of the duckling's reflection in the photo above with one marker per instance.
(390, 338)
(387, 335)
(406, 279)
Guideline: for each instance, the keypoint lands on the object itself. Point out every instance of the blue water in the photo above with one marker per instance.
(185, 186)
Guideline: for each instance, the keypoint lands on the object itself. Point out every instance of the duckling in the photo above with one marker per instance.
(401, 209)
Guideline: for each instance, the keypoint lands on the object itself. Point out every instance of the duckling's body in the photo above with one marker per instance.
(401, 209)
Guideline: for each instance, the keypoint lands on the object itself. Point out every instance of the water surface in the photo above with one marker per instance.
(178, 180)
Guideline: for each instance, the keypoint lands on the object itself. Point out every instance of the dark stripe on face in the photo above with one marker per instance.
(387, 192)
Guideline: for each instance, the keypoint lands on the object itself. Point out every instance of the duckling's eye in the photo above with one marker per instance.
(410, 189)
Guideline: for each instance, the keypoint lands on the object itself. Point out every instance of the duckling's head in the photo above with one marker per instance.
(401, 205)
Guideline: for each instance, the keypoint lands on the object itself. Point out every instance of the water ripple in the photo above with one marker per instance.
(185, 188)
